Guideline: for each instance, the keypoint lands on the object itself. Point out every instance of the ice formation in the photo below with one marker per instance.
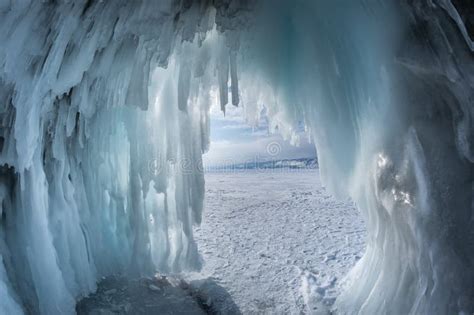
(104, 117)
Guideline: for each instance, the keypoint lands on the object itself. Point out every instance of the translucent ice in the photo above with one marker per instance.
(104, 116)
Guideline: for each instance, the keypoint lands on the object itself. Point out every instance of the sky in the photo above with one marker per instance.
(233, 141)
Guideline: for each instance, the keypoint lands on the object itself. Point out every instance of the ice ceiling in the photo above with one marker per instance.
(102, 102)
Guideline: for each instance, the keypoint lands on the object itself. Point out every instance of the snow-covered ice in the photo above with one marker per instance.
(100, 100)
(276, 240)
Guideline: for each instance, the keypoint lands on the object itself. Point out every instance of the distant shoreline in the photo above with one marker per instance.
(273, 165)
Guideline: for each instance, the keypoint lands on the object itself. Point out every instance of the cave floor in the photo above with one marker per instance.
(156, 295)
(272, 242)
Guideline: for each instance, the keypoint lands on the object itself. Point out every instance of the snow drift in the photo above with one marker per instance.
(104, 116)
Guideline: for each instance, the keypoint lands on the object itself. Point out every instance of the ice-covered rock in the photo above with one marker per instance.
(104, 115)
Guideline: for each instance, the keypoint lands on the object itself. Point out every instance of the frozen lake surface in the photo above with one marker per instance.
(276, 241)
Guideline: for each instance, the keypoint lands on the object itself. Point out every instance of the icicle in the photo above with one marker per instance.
(233, 79)
(223, 76)
(183, 86)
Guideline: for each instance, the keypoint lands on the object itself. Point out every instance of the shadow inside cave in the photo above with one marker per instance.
(157, 295)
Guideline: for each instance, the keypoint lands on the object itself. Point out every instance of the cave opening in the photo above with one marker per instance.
(103, 105)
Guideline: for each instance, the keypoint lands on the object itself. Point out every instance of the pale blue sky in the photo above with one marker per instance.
(234, 141)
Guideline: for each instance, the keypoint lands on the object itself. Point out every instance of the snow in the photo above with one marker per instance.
(276, 240)
(105, 104)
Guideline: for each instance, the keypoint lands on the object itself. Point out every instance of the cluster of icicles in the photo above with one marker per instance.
(104, 116)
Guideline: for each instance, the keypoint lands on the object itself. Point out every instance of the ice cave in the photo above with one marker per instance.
(102, 102)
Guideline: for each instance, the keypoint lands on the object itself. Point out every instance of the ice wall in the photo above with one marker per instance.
(104, 117)
(386, 89)
(103, 123)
